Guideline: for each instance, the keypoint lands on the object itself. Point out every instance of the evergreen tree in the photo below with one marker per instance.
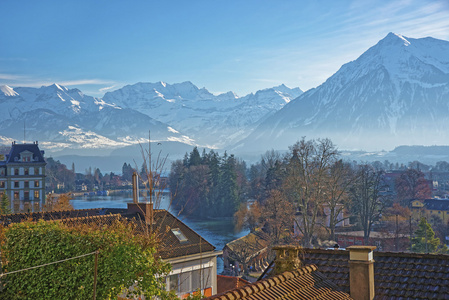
(229, 201)
(195, 158)
(4, 205)
(425, 240)
(214, 182)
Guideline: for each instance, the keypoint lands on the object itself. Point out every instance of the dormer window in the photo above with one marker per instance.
(179, 235)
(26, 156)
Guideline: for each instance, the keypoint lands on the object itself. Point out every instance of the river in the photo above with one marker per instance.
(218, 232)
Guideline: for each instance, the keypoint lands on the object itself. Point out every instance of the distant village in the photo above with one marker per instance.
(316, 223)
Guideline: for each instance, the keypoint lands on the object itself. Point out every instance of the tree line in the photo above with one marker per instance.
(311, 182)
(208, 184)
(61, 179)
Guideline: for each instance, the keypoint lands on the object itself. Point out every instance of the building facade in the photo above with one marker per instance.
(22, 177)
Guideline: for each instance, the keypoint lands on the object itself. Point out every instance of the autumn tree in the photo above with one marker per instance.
(396, 222)
(277, 214)
(337, 196)
(61, 203)
(306, 181)
(367, 199)
(412, 185)
(57, 173)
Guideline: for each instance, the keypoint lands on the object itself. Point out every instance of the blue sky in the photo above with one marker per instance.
(242, 46)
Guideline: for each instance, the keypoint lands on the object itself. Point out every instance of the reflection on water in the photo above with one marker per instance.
(218, 232)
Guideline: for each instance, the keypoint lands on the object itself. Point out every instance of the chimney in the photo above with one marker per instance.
(144, 208)
(135, 183)
(287, 258)
(361, 272)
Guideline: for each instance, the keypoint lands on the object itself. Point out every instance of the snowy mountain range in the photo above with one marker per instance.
(396, 93)
(214, 121)
(66, 118)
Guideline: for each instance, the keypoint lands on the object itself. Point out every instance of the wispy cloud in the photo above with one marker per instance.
(107, 88)
(29, 81)
(10, 77)
(84, 82)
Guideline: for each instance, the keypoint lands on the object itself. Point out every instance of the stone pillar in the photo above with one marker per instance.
(361, 272)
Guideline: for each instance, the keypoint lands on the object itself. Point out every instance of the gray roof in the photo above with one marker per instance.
(16, 149)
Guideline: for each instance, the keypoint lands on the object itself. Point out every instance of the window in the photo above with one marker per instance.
(184, 282)
(26, 195)
(36, 183)
(16, 184)
(36, 171)
(26, 171)
(27, 184)
(16, 196)
(196, 280)
(2, 184)
(24, 156)
(36, 194)
(174, 282)
(207, 277)
(181, 237)
(16, 171)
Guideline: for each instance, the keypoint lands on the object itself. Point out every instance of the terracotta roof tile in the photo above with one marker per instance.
(304, 283)
(396, 275)
(226, 283)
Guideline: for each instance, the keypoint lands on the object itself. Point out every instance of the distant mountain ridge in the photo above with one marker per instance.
(397, 92)
(64, 118)
(227, 117)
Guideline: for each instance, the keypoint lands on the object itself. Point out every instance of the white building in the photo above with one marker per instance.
(22, 177)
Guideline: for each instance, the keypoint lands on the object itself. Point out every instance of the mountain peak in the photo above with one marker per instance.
(8, 91)
(395, 38)
(56, 86)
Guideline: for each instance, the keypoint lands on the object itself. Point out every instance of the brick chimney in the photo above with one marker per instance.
(287, 258)
(143, 208)
(361, 272)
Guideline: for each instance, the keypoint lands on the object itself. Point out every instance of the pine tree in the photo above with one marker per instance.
(425, 240)
(229, 200)
(4, 205)
(195, 158)
(214, 182)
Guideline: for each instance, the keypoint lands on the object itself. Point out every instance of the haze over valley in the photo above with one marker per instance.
(396, 93)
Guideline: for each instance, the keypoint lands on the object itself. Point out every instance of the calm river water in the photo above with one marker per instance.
(218, 232)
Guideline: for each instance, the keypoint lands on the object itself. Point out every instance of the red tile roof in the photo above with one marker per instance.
(304, 283)
(396, 275)
(227, 283)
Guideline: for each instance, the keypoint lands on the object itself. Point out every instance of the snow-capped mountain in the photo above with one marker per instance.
(397, 92)
(210, 120)
(68, 118)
